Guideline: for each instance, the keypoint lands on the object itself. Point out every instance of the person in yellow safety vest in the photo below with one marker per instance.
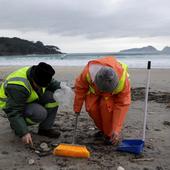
(26, 96)
(104, 86)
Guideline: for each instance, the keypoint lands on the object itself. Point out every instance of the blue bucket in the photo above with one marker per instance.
(131, 145)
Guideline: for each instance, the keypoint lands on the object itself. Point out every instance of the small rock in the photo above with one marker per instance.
(120, 168)
(159, 168)
(149, 146)
(147, 127)
(44, 146)
(54, 144)
(61, 163)
(166, 123)
(168, 105)
(151, 140)
(31, 161)
(41, 169)
(42, 154)
(91, 128)
(4, 152)
(37, 152)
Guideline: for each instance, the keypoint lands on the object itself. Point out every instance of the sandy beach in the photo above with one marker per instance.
(15, 156)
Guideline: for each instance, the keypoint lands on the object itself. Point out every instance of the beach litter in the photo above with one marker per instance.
(141, 159)
(64, 97)
(31, 161)
(120, 168)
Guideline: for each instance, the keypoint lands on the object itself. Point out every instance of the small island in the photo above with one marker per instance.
(17, 46)
(146, 50)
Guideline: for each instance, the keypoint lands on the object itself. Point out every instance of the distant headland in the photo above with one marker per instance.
(146, 50)
(17, 46)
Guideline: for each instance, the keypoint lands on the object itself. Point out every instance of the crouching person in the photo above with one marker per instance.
(105, 88)
(26, 96)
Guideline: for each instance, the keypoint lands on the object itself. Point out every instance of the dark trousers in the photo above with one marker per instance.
(44, 111)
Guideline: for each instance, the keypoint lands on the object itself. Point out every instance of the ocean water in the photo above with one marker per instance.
(75, 59)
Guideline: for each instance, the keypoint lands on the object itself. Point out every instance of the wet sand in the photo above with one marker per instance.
(14, 155)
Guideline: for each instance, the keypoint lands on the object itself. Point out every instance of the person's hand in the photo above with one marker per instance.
(115, 138)
(27, 139)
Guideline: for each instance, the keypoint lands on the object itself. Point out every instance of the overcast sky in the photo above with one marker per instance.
(88, 25)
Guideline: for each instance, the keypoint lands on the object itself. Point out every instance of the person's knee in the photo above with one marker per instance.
(36, 112)
(41, 115)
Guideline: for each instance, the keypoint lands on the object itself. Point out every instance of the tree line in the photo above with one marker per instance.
(17, 46)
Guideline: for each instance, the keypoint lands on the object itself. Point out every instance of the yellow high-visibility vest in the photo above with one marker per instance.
(18, 77)
(120, 85)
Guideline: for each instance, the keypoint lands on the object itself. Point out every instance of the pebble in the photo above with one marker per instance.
(44, 146)
(31, 161)
(4, 152)
(37, 152)
(166, 123)
(159, 168)
(120, 168)
(91, 128)
(145, 168)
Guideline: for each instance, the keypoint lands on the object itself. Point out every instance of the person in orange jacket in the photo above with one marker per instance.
(104, 86)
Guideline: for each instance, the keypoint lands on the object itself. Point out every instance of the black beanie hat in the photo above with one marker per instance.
(42, 74)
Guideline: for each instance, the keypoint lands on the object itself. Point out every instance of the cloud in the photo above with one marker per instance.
(91, 19)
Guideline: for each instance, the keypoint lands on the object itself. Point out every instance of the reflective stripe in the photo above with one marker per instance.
(18, 80)
(2, 102)
(91, 89)
(29, 121)
(88, 78)
(121, 83)
(3, 99)
(51, 105)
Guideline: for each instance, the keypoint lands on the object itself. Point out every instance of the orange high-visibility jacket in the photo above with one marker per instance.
(108, 110)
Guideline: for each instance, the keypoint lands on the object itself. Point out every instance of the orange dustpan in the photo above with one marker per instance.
(72, 150)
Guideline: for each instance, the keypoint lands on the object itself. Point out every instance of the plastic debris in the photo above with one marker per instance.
(120, 168)
(64, 97)
(44, 146)
(31, 161)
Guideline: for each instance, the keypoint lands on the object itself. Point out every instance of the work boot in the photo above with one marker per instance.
(51, 133)
(99, 134)
(107, 141)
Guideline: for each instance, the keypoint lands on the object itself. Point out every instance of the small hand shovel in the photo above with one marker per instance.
(136, 145)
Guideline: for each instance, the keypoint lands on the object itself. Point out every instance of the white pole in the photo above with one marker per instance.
(146, 99)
